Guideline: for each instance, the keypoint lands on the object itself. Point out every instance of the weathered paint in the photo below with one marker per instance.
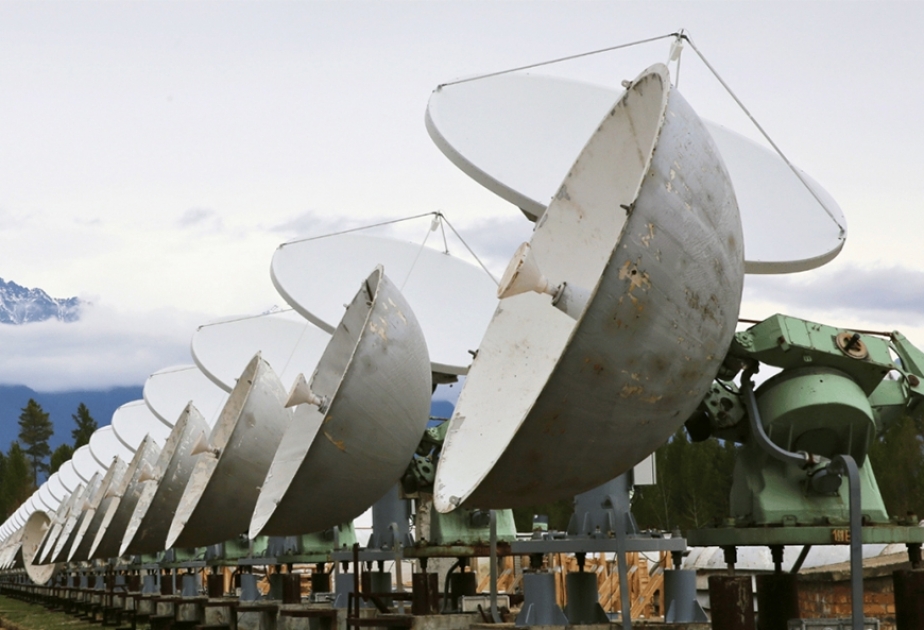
(221, 493)
(34, 532)
(554, 406)
(375, 373)
(92, 516)
(150, 522)
(123, 501)
(65, 538)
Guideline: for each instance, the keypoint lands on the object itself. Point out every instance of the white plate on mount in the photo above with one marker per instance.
(104, 445)
(56, 487)
(286, 341)
(84, 463)
(519, 134)
(452, 299)
(167, 392)
(642, 248)
(133, 421)
(369, 406)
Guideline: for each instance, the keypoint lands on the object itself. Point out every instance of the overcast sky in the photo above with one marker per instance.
(153, 155)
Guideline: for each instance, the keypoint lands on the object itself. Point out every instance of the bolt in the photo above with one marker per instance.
(852, 342)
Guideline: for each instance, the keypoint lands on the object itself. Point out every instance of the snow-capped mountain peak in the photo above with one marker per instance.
(20, 305)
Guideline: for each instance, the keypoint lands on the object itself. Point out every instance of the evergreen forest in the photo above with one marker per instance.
(29, 460)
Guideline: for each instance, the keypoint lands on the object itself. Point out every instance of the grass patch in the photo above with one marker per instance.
(18, 615)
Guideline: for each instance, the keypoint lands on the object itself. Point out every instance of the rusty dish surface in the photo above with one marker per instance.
(646, 222)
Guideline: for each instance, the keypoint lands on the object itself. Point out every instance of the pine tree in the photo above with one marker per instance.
(897, 457)
(34, 430)
(693, 485)
(60, 455)
(86, 425)
(16, 483)
(4, 507)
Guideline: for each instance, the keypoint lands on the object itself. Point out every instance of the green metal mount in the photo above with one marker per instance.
(469, 527)
(835, 391)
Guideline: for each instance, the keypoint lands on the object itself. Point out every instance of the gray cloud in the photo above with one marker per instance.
(894, 295)
(104, 349)
(205, 219)
(495, 240)
(311, 223)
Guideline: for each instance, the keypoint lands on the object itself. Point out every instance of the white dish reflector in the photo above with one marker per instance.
(642, 247)
(285, 340)
(150, 523)
(93, 514)
(360, 418)
(518, 135)
(452, 299)
(222, 491)
(104, 445)
(134, 421)
(65, 539)
(167, 392)
(84, 464)
(34, 531)
(57, 522)
(55, 487)
(124, 499)
(69, 477)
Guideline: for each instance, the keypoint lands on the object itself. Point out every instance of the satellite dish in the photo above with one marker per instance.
(14, 547)
(49, 503)
(167, 393)
(285, 340)
(75, 502)
(68, 476)
(95, 510)
(57, 521)
(33, 533)
(233, 463)
(56, 487)
(135, 420)
(518, 135)
(72, 523)
(84, 464)
(358, 421)
(124, 499)
(642, 244)
(104, 445)
(452, 299)
(150, 523)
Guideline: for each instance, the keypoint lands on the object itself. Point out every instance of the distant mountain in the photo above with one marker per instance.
(19, 305)
(59, 406)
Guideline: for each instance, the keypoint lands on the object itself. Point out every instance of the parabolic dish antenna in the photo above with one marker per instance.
(285, 340)
(519, 134)
(93, 515)
(104, 445)
(167, 393)
(84, 463)
(75, 515)
(59, 521)
(48, 501)
(452, 299)
(56, 487)
(361, 417)
(124, 499)
(134, 421)
(34, 532)
(150, 523)
(641, 249)
(69, 477)
(14, 545)
(233, 462)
